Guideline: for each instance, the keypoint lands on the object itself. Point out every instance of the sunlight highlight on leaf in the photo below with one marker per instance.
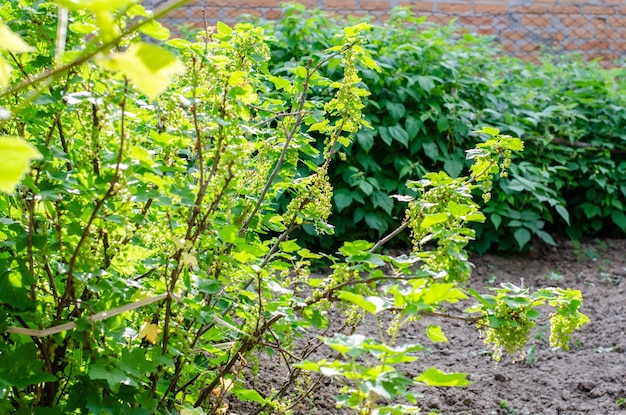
(149, 332)
(15, 158)
(148, 67)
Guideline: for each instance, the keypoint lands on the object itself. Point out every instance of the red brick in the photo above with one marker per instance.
(180, 13)
(476, 20)
(534, 9)
(258, 3)
(536, 21)
(563, 9)
(340, 4)
(605, 10)
(570, 46)
(420, 6)
(513, 35)
(491, 8)
(575, 21)
(596, 45)
(599, 22)
(608, 34)
(374, 5)
(529, 47)
(273, 14)
(510, 47)
(485, 31)
(442, 19)
(618, 22)
(455, 7)
(619, 46)
(581, 33)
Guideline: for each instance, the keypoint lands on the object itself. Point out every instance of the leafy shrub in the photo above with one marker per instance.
(436, 85)
(144, 268)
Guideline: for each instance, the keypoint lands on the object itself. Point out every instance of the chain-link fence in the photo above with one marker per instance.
(594, 28)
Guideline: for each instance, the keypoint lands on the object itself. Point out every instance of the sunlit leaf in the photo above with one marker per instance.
(149, 332)
(15, 157)
(148, 67)
(435, 377)
(12, 42)
(435, 334)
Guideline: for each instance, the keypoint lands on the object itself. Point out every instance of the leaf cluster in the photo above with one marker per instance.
(437, 84)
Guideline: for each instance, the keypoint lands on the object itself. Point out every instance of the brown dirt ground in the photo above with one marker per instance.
(587, 379)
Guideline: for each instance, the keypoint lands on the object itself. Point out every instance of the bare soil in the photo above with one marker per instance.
(588, 379)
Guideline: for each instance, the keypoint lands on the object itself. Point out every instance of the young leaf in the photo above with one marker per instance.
(435, 377)
(149, 332)
(435, 334)
(149, 67)
(12, 42)
(15, 158)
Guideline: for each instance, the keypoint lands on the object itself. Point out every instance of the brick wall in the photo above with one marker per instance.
(596, 28)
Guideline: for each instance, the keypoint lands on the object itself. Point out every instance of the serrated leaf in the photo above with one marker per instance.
(435, 334)
(435, 377)
(15, 157)
(148, 67)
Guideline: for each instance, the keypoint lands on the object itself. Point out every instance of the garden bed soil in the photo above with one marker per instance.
(588, 379)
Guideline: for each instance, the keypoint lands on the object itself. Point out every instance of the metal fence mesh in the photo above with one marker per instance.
(594, 28)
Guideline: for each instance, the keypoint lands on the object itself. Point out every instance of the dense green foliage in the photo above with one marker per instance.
(437, 84)
(144, 265)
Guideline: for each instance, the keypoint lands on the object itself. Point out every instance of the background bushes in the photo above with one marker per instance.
(437, 85)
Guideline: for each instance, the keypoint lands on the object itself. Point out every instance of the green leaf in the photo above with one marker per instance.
(248, 395)
(435, 377)
(546, 237)
(396, 110)
(489, 131)
(343, 198)
(431, 150)
(15, 157)
(453, 166)
(365, 139)
(382, 200)
(412, 126)
(12, 42)
(148, 67)
(435, 334)
(562, 211)
(496, 220)
(112, 375)
(619, 219)
(440, 292)
(398, 134)
(434, 219)
(5, 73)
(223, 29)
(357, 299)
(522, 236)
(427, 83)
